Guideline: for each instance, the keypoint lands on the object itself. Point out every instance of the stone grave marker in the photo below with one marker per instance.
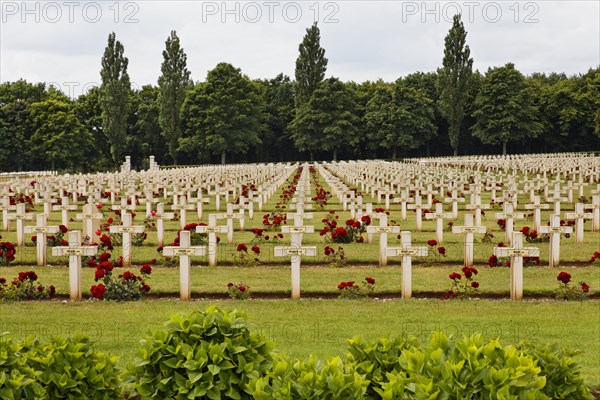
(516, 254)
(407, 251)
(184, 251)
(75, 250)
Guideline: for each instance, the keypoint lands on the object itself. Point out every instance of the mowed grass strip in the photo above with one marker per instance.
(321, 326)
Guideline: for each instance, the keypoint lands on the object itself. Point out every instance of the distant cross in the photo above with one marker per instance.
(20, 215)
(230, 216)
(595, 207)
(509, 216)
(6, 207)
(42, 231)
(89, 217)
(161, 216)
(183, 207)
(212, 229)
(454, 199)
(478, 207)
(439, 215)
(579, 216)
(537, 208)
(555, 231)
(64, 208)
(126, 230)
(418, 206)
(468, 230)
(383, 229)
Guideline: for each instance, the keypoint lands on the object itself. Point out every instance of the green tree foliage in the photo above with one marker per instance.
(454, 78)
(278, 115)
(399, 116)
(88, 110)
(173, 83)
(505, 108)
(147, 123)
(114, 97)
(223, 114)
(311, 65)
(328, 118)
(58, 136)
(15, 132)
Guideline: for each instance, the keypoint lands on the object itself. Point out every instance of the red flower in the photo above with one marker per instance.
(104, 257)
(153, 261)
(432, 242)
(442, 250)
(370, 281)
(34, 238)
(493, 261)
(229, 284)
(564, 277)
(468, 271)
(501, 244)
(145, 288)
(100, 272)
(63, 228)
(51, 290)
(98, 232)
(350, 222)
(2, 281)
(329, 250)
(474, 284)
(365, 219)
(40, 288)
(109, 220)
(242, 247)
(340, 232)
(63, 242)
(584, 287)
(454, 275)
(98, 291)
(146, 269)
(256, 249)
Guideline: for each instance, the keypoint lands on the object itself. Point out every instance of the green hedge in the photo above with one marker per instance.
(213, 354)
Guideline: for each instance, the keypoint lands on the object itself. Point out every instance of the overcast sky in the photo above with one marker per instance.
(63, 41)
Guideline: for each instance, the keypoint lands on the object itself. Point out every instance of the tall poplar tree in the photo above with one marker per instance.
(173, 84)
(311, 65)
(114, 97)
(454, 79)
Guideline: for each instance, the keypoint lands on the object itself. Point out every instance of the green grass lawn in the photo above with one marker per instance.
(321, 326)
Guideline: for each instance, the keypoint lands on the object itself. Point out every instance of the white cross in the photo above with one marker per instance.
(126, 230)
(555, 231)
(477, 206)
(595, 207)
(75, 251)
(41, 230)
(184, 251)
(295, 251)
(407, 251)
(579, 216)
(6, 207)
(200, 201)
(537, 208)
(182, 207)
(454, 199)
(20, 215)
(383, 229)
(89, 218)
(212, 229)
(516, 254)
(160, 216)
(65, 207)
(468, 230)
(404, 198)
(418, 206)
(439, 215)
(229, 216)
(509, 216)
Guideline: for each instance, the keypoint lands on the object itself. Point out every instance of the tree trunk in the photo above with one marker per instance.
(427, 149)
(455, 152)
(504, 148)
(312, 156)
(394, 152)
(223, 157)
(334, 155)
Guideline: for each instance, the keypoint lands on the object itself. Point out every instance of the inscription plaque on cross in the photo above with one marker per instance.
(407, 251)
(555, 230)
(75, 250)
(468, 230)
(516, 254)
(126, 230)
(41, 231)
(579, 216)
(439, 215)
(184, 251)
(212, 229)
(383, 229)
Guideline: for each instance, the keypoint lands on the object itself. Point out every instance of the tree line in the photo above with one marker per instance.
(230, 117)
